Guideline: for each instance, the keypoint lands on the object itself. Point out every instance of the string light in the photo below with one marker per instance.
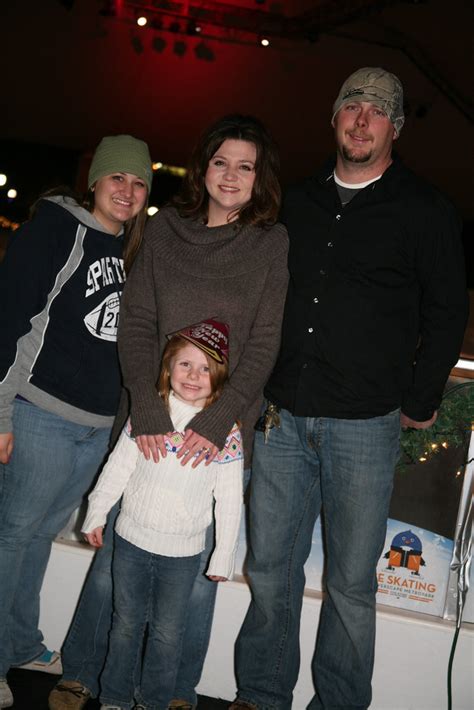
(152, 210)
(142, 21)
(3, 179)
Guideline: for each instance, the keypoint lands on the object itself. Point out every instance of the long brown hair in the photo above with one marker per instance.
(218, 372)
(264, 205)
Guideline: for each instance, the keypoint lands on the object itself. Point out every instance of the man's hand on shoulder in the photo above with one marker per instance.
(408, 423)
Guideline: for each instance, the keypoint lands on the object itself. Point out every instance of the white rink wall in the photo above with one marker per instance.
(412, 650)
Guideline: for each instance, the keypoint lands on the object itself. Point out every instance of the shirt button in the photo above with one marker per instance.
(338, 216)
(322, 272)
(310, 330)
(305, 365)
(330, 244)
(315, 300)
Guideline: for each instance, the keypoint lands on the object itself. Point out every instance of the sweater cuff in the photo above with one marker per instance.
(221, 564)
(148, 413)
(215, 422)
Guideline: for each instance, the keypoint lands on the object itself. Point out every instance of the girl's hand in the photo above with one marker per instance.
(6, 447)
(152, 445)
(215, 578)
(197, 444)
(95, 537)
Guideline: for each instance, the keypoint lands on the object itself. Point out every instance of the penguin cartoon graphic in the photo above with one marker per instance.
(405, 551)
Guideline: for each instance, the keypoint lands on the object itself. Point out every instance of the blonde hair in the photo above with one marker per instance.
(218, 372)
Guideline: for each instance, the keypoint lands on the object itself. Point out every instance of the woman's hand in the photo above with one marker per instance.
(6, 447)
(95, 537)
(197, 444)
(152, 445)
(215, 578)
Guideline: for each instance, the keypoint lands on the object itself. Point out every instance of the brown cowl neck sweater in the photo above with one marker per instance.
(186, 272)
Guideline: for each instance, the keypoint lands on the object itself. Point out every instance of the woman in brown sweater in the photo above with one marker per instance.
(218, 252)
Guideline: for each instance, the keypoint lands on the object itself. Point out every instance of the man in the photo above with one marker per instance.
(374, 321)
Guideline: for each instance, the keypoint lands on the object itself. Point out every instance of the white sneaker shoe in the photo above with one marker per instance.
(48, 662)
(6, 696)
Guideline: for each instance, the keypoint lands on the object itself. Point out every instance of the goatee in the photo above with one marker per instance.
(353, 157)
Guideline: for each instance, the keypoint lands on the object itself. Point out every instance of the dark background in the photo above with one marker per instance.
(74, 71)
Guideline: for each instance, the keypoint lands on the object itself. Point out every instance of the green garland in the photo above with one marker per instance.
(451, 429)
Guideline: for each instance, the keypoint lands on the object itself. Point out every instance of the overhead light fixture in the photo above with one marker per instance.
(192, 28)
(265, 42)
(3, 179)
(203, 51)
(180, 48)
(158, 44)
(137, 45)
(142, 21)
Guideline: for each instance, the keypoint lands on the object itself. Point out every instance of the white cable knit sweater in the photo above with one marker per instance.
(167, 507)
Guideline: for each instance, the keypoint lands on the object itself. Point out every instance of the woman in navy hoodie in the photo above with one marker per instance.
(60, 289)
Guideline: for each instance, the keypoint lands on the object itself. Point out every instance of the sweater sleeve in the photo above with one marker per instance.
(112, 482)
(443, 311)
(251, 374)
(138, 347)
(228, 494)
(27, 275)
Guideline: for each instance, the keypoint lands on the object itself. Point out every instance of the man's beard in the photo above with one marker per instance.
(354, 157)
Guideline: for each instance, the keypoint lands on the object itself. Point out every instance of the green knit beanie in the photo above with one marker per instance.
(121, 154)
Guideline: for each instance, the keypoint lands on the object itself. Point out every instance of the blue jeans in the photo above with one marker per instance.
(151, 594)
(346, 467)
(54, 463)
(85, 649)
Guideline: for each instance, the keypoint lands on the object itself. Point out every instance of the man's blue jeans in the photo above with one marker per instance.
(346, 467)
(151, 593)
(53, 465)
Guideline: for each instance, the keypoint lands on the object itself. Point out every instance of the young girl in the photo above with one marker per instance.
(161, 529)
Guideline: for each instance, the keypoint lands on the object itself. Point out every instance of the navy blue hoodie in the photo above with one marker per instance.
(60, 288)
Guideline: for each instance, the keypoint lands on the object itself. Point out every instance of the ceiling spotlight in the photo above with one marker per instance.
(202, 51)
(11, 194)
(158, 44)
(180, 48)
(3, 179)
(141, 21)
(265, 42)
(137, 45)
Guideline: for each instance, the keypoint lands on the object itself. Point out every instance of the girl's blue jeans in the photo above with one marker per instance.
(151, 594)
(85, 648)
(53, 465)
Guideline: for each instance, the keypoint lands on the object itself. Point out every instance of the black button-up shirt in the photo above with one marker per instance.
(377, 303)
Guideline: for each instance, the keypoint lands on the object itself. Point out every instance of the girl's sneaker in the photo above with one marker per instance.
(6, 696)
